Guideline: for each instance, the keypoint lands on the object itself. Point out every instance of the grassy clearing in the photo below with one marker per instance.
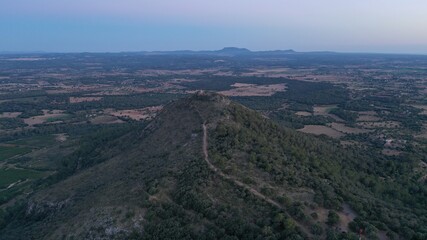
(12, 175)
(58, 118)
(11, 151)
(38, 141)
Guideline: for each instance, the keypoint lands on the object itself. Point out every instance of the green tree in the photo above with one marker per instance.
(333, 218)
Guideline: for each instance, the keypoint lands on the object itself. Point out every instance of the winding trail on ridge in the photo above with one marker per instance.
(243, 185)
(237, 182)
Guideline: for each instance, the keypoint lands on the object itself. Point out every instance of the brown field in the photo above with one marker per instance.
(320, 129)
(84, 99)
(323, 110)
(345, 129)
(9, 114)
(135, 114)
(43, 118)
(302, 113)
(244, 89)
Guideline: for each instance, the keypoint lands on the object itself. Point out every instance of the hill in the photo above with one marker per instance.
(209, 168)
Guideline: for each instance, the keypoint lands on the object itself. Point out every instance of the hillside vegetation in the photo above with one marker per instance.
(256, 180)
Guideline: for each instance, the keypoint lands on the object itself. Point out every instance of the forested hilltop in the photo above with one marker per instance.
(206, 168)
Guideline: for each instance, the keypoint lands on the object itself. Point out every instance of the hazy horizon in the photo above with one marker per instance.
(202, 50)
(130, 25)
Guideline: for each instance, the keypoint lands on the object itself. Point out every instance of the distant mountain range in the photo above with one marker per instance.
(227, 51)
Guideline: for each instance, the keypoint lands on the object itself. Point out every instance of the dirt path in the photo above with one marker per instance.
(237, 182)
(243, 185)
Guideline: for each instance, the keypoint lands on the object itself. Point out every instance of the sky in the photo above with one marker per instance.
(383, 26)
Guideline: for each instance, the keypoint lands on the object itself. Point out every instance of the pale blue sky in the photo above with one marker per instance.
(398, 26)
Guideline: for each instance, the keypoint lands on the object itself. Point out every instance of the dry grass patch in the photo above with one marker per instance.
(323, 110)
(303, 114)
(10, 114)
(320, 129)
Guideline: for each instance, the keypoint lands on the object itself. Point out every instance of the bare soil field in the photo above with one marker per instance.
(9, 114)
(243, 89)
(303, 114)
(84, 99)
(345, 129)
(45, 117)
(323, 110)
(320, 129)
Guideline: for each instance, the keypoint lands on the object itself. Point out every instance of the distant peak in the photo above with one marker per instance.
(235, 50)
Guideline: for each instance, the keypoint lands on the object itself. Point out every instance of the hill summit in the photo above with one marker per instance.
(204, 168)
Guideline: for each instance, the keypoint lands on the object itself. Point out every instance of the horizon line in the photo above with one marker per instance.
(7, 52)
